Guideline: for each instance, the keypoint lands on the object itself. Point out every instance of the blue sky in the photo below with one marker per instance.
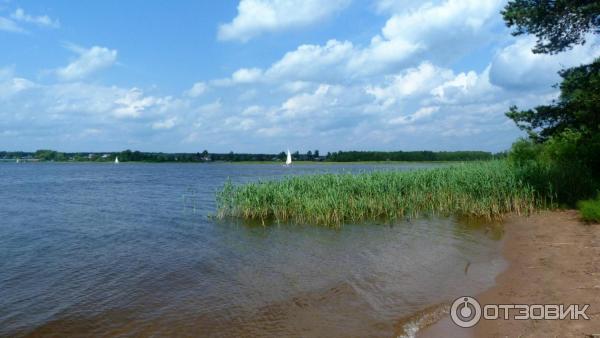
(265, 75)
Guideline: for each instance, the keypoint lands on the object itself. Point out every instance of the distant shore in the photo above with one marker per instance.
(241, 162)
(553, 258)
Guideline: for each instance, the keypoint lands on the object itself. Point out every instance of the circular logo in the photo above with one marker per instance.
(465, 312)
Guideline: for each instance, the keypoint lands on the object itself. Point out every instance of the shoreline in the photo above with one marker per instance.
(251, 162)
(553, 258)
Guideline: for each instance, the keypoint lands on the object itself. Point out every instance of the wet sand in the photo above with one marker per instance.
(553, 259)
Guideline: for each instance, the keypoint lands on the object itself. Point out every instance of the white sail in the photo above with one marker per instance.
(117, 160)
(288, 161)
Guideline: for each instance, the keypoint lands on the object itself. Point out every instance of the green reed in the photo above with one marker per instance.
(482, 189)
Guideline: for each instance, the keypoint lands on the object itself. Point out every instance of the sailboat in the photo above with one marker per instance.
(18, 160)
(117, 160)
(288, 161)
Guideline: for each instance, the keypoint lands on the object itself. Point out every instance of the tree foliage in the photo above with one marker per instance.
(557, 24)
(562, 153)
(578, 107)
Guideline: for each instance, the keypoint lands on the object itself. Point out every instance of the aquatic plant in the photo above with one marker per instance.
(482, 189)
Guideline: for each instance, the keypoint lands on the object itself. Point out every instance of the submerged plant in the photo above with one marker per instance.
(482, 189)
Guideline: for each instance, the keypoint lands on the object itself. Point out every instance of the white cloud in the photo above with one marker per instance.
(461, 84)
(398, 90)
(255, 17)
(101, 101)
(466, 16)
(240, 76)
(165, 124)
(133, 104)
(395, 6)
(439, 31)
(192, 137)
(467, 87)
(252, 111)
(197, 89)
(63, 115)
(19, 15)
(295, 86)
(89, 61)
(411, 82)
(407, 38)
(416, 116)
(312, 62)
(240, 123)
(80, 98)
(271, 131)
(248, 95)
(211, 108)
(14, 86)
(517, 67)
(246, 75)
(42, 20)
(10, 26)
(90, 132)
(11, 85)
(299, 67)
(322, 98)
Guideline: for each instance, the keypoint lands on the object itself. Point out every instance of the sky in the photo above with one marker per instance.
(261, 76)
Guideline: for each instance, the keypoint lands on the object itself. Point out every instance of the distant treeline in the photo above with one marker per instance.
(353, 156)
(205, 156)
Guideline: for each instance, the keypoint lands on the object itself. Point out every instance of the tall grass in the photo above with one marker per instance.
(590, 210)
(483, 189)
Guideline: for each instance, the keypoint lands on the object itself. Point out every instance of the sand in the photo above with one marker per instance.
(553, 259)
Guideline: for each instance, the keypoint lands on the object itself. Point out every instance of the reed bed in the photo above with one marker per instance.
(482, 189)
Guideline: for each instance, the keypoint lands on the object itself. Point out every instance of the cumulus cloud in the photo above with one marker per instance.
(395, 6)
(407, 38)
(11, 85)
(410, 82)
(89, 61)
(246, 75)
(322, 98)
(438, 31)
(467, 87)
(42, 20)
(255, 17)
(134, 103)
(313, 62)
(402, 89)
(240, 76)
(517, 67)
(420, 114)
(62, 115)
(197, 89)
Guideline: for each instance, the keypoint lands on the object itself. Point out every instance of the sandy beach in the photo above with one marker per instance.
(553, 259)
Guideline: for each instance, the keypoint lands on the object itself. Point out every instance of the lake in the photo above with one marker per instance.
(130, 249)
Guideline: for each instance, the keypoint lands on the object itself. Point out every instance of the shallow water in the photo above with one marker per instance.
(107, 250)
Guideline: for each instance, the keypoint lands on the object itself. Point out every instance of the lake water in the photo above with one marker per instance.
(129, 249)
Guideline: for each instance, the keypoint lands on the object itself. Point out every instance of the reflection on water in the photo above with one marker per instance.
(109, 250)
